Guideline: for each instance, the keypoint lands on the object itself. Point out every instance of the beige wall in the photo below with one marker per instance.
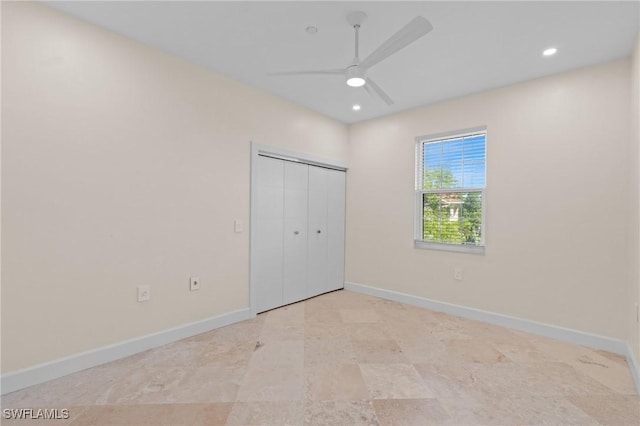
(634, 216)
(556, 198)
(124, 166)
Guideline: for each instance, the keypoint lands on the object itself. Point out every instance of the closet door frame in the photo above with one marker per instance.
(258, 150)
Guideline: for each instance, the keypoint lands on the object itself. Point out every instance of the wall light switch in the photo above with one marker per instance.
(237, 226)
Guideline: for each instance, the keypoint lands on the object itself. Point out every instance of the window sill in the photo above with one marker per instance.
(419, 244)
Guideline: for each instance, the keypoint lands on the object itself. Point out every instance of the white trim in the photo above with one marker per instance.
(569, 335)
(418, 226)
(284, 154)
(633, 366)
(452, 134)
(61, 367)
(459, 248)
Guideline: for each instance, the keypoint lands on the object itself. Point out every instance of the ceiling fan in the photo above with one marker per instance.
(356, 72)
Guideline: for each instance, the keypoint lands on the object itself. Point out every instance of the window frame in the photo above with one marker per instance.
(419, 242)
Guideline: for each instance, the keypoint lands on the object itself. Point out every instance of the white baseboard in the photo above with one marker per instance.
(61, 367)
(541, 329)
(633, 366)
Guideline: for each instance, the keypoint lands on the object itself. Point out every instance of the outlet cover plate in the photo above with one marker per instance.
(194, 283)
(144, 293)
(457, 274)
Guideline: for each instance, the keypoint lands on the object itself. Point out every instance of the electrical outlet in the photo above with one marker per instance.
(194, 283)
(457, 274)
(237, 226)
(144, 293)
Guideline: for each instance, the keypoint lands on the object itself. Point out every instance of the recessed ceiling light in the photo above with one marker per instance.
(356, 107)
(311, 29)
(550, 51)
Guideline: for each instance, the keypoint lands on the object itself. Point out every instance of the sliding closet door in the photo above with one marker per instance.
(317, 247)
(295, 231)
(269, 234)
(336, 181)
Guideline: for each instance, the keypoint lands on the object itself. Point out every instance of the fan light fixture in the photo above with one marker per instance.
(356, 81)
(355, 76)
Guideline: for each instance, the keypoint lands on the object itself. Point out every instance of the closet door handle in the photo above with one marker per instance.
(296, 232)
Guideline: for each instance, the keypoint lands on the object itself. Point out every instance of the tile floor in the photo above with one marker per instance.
(348, 359)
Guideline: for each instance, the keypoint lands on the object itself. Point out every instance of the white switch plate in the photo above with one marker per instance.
(144, 293)
(237, 226)
(194, 283)
(457, 274)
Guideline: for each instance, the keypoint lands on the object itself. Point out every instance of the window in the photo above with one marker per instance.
(450, 184)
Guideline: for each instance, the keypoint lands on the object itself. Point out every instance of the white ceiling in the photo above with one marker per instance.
(474, 46)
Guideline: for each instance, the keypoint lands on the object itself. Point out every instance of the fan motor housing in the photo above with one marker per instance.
(355, 76)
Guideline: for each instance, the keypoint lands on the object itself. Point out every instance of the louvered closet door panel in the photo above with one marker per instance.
(269, 234)
(317, 246)
(295, 231)
(336, 181)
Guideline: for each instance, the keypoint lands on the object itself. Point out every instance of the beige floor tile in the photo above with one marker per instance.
(449, 380)
(348, 359)
(155, 415)
(331, 382)
(514, 410)
(278, 353)
(84, 388)
(411, 330)
(410, 412)
(394, 381)
(610, 372)
(272, 383)
(378, 351)
(272, 413)
(225, 354)
(610, 409)
(318, 351)
(209, 384)
(359, 316)
(366, 332)
(282, 331)
(619, 359)
(245, 331)
(325, 330)
(146, 385)
(174, 354)
(423, 351)
(473, 351)
(340, 413)
(286, 314)
(537, 379)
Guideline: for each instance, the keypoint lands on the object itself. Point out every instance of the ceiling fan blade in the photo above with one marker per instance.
(379, 92)
(367, 87)
(415, 29)
(311, 72)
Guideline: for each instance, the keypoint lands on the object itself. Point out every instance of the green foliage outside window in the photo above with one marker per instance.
(450, 217)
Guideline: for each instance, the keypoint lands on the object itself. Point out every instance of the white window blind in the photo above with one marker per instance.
(450, 185)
